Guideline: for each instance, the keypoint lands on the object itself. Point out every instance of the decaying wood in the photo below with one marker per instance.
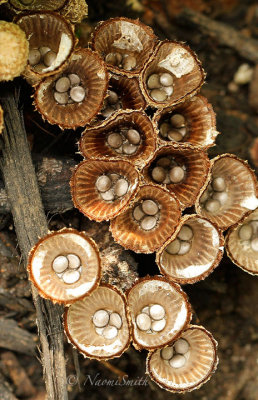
(12, 337)
(18, 375)
(119, 268)
(223, 34)
(30, 224)
(53, 175)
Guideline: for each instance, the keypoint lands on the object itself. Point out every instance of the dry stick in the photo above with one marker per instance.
(225, 35)
(31, 224)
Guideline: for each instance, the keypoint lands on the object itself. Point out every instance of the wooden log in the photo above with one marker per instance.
(53, 176)
(12, 337)
(222, 33)
(31, 224)
(18, 375)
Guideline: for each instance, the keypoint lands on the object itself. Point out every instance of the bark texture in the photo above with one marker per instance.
(31, 224)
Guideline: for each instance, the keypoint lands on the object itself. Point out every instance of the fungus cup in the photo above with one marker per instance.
(185, 364)
(37, 5)
(143, 227)
(65, 266)
(98, 325)
(190, 124)
(123, 93)
(172, 75)
(159, 312)
(242, 243)
(76, 102)
(103, 189)
(124, 44)
(193, 251)
(51, 42)
(128, 135)
(229, 193)
(182, 171)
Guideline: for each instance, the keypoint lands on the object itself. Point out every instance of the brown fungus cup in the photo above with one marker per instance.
(65, 266)
(124, 44)
(51, 42)
(128, 135)
(190, 124)
(103, 189)
(159, 312)
(144, 227)
(242, 243)
(98, 325)
(229, 193)
(172, 75)
(193, 251)
(185, 364)
(182, 171)
(72, 98)
(123, 93)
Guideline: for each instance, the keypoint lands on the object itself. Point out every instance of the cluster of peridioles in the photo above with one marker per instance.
(141, 173)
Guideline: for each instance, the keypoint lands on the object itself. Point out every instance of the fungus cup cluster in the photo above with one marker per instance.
(147, 131)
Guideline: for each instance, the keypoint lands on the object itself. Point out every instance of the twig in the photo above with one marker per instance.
(120, 374)
(77, 368)
(30, 224)
(225, 35)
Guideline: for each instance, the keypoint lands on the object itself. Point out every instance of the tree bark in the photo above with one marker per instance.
(53, 176)
(31, 224)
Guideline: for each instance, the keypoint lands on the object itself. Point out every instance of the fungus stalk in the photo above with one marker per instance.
(30, 224)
